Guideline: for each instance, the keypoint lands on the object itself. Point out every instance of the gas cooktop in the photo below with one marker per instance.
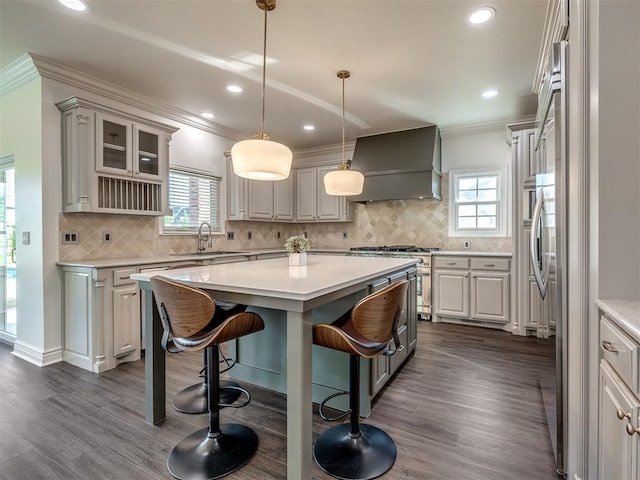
(395, 248)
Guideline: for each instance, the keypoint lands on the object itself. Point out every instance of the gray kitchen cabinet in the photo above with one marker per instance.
(113, 162)
(380, 370)
(312, 202)
(619, 406)
(258, 200)
(473, 290)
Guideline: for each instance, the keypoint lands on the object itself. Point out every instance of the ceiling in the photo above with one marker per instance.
(412, 63)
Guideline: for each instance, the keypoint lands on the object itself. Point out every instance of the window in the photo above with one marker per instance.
(477, 203)
(194, 197)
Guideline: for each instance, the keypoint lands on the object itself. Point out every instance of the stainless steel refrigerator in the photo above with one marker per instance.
(549, 229)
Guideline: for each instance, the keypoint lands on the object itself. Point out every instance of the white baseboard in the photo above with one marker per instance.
(35, 355)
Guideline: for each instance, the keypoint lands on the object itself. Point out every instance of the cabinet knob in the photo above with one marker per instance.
(622, 414)
(129, 170)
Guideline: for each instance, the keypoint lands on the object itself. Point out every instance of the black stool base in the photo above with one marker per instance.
(193, 399)
(201, 457)
(368, 456)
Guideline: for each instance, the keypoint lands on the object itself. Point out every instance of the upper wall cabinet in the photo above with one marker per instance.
(312, 202)
(113, 162)
(258, 200)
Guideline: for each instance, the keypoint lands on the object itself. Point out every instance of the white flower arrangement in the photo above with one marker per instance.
(297, 244)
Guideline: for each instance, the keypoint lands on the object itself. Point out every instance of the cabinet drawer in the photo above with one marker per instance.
(620, 351)
(121, 276)
(451, 262)
(500, 264)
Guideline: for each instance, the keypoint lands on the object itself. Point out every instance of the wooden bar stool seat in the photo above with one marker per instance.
(188, 319)
(354, 450)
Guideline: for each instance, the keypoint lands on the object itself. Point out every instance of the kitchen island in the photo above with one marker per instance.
(272, 284)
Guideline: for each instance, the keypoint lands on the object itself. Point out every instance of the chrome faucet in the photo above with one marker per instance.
(202, 239)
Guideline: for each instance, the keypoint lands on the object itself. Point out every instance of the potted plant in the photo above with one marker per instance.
(297, 246)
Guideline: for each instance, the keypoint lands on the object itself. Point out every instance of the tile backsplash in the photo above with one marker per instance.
(400, 222)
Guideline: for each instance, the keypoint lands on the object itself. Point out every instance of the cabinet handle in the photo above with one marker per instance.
(608, 346)
(631, 430)
(451, 263)
(489, 264)
(129, 170)
(134, 294)
(621, 414)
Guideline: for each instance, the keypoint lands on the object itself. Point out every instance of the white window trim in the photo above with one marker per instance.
(194, 231)
(504, 203)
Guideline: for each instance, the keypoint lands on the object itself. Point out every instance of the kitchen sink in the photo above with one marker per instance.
(201, 254)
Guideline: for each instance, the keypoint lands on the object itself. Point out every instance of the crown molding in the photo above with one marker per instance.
(486, 127)
(29, 66)
(16, 74)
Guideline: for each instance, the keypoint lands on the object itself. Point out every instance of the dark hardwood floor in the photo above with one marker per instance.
(466, 406)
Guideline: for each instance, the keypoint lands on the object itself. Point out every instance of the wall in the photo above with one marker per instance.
(22, 136)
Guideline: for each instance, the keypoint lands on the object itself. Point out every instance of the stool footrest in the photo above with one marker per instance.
(242, 391)
(323, 404)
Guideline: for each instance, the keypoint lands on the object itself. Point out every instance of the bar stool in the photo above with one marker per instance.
(188, 317)
(193, 399)
(354, 450)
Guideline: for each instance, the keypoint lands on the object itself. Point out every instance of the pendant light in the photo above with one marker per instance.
(343, 181)
(260, 158)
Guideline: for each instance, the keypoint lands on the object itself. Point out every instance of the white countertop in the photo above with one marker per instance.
(471, 253)
(174, 258)
(275, 278)
(625, 313)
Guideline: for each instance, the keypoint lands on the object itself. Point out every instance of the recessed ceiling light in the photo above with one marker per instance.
(234, 88)
(309, 127)
(481, 15)
(76, 5)
(490, 93)
(207, 115)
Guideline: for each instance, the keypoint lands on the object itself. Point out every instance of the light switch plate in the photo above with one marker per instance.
(26, 238)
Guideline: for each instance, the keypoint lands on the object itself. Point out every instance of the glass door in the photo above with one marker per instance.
(8, 326)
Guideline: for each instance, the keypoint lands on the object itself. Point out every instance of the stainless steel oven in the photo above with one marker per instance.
(423, 283)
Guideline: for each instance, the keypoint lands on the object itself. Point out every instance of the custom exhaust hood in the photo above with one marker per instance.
(399, 165)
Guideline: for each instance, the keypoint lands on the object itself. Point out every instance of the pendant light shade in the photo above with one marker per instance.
(343, 181)
(260, 158)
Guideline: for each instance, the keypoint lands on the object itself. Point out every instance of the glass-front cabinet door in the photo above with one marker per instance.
(113, 145)
(148, 156)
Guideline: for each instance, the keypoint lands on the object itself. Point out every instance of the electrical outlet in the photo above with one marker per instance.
(68, 238)
(229, 235)
(107, 237)
(249, 235)
(26, 238)
(306, 234)
(466, 244)
(345, 234)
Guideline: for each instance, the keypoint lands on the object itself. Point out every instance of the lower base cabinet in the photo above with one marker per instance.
(618, 451)
(474, 290)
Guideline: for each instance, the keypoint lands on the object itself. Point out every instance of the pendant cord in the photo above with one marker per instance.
(264, 71)
(343, 155)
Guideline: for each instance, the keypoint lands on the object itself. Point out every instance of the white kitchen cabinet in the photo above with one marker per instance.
(472, 290)
(618, 451)
(101, 317)
(312, 202)
(113, 162)
(125, 308)
(271, 201)
(451, 288)
(258, 200)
